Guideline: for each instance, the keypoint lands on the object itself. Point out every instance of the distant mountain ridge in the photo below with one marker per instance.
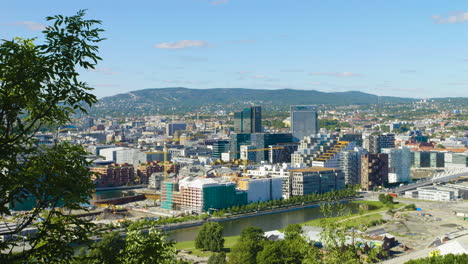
(180, 99)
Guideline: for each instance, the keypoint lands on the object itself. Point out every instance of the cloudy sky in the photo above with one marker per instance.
(411, 48)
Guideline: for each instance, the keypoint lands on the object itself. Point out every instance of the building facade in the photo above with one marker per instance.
(248, 120)
(304, 121)
(399, 163)
(261, 190)
(114, 175)
(315, 180)
(374, 171)
(219, 147)
(375, 143)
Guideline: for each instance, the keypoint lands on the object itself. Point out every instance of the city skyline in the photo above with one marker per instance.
(398, 48)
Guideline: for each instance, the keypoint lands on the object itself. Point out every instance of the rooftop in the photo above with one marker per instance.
(314, 169)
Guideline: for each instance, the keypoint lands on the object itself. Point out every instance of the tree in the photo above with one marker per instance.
(107, 250)
(39, 87)
(245, 250)
(147, 248)
(210, 237)
(217, 258)
(293, 231)
(385, 199)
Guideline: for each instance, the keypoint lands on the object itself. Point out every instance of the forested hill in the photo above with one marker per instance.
(163, 100)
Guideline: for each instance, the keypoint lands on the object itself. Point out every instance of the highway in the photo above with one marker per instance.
(444, 176)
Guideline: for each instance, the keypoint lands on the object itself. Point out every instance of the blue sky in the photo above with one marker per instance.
(416, 48)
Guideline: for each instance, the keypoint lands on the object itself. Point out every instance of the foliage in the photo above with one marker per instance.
(331, 124)
(275, 123)
(210, 237)
(39, 87)
(247, 247)
(160, 100)
(107, 250)
(293, 231)
(147, 248)
(217, 258)
(385, 199)
(410, 207)
(446, 259)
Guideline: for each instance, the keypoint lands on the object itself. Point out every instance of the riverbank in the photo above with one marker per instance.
(252, 214)
(120, 188)
(357, 219)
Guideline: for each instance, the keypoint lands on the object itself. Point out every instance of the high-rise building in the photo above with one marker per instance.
(248, 120)
(257, 141)
(350, 164)
(374, 171)
(399, 163)
(375, 143)
(219, 147)
(264, 140)
(173, 127)
(304, 121)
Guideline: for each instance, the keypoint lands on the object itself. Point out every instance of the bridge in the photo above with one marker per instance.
(445, 176)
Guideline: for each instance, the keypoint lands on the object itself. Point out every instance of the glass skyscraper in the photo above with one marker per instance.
(248, 120)
(304, 121)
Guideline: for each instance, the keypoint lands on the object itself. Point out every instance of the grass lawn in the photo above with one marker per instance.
(190, 245)
(357, 219)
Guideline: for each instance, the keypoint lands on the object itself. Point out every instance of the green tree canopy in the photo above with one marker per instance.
(217, 258)
(107, 250)
(39, 86)
(247, 247)
(210, 237)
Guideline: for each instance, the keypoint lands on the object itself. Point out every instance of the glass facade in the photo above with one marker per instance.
(304, 121)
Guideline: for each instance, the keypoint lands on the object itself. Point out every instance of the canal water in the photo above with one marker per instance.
(29, 202)
(267, 222)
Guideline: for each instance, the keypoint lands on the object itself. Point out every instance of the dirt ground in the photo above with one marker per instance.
(422, 229)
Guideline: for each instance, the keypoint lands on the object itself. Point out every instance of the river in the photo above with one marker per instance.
(29, 202)
(267, 222)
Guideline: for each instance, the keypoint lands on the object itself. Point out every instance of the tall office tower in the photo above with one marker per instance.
(304, 121)
(248, 120)
(350, 164)
(374, 171)
(377, 142)
(173, 127)
(399, 163)
(219, 147)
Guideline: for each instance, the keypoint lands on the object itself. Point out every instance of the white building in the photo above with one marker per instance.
(435, 194)
(124, 155)
(262, 190)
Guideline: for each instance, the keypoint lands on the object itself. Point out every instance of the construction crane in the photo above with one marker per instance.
(166, 162)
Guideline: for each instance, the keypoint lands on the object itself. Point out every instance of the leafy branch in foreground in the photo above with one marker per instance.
(39, 87)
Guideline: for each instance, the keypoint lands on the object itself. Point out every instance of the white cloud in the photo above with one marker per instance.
(30, 25)
(219, 2)
(182, 44)
(451, 18)
(336, 74)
